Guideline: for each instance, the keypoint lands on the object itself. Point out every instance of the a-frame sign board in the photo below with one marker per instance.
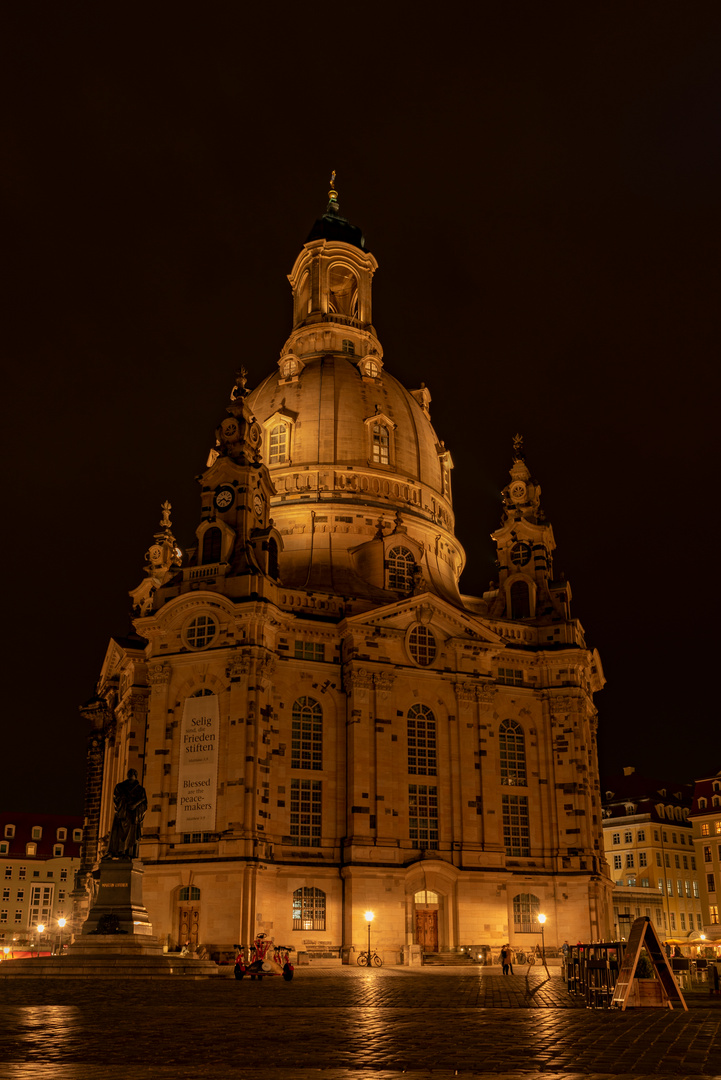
(643, 933)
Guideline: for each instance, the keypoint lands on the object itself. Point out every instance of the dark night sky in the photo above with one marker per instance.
(540, 186)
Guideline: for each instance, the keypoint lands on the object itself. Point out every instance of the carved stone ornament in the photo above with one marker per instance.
(238, 666)
(358, 678)
(465, 691)
(159, 674)
(383, 683)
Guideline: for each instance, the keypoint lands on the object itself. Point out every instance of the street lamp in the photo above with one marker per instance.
(369, 919)
(61, 923)
(542, 921)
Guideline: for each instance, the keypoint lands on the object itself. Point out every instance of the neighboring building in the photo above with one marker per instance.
(706, 820)
(39, 856)
(323, 723)
(648, 840)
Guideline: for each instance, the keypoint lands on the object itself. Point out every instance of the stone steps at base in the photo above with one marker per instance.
(450, 959)
(119, 966)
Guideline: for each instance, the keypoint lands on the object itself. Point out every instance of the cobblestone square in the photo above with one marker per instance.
(343, 1023)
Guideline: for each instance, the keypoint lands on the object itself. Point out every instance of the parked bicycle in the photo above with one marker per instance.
(366, 959)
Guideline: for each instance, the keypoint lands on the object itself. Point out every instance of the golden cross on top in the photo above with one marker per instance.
(332, 180)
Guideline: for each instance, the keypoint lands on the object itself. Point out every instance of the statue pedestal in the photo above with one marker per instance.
(118, 909)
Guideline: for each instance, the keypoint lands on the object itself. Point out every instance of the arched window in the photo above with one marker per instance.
(520, 601)
(307, 734)
(211, 546)
(422, 645)
(400, 569)
(278, 444)
(421, 741)
(512, 747)
(380, 444)
(343, 291)
(273, 559)
(189, 892)
(425, 896)
(202, 693)
(308, 909)
(348, 347)
(288, 368)
(526, 907)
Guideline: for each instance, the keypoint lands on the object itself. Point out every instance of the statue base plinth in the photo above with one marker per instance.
(118, 907)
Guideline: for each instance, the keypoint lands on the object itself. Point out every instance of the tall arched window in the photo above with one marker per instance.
(307, 734)
(380, 444)
(520, 601)
(512, 747)
(211, 546)
(308, 909)
(400, 568)
(526, 907)
(278, 444)
(273, 559)
(421, 741)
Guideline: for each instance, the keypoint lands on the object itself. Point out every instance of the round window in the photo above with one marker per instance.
(200, 631)
(422, 645)
(520, 554)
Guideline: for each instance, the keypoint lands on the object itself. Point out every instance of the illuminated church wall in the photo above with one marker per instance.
(322, 722)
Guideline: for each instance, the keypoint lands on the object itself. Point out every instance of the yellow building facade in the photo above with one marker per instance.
(323, 722)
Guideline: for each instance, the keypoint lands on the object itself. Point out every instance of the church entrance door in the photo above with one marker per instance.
(189, 923)
(427, 930)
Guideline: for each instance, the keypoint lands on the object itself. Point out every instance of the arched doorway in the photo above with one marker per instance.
(189, 917)
(426, 904)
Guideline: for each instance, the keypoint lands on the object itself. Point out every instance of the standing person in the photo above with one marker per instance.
(564, 959)
(504, 959)
(510, 957)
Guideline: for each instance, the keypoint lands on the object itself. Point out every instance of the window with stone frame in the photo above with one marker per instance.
(512, 749)
(423, 815)
(400, 564)
(516, 825)
(200, 631)
(305, 812)
(278, 444)
(380, 444)
(308, 909)
(710, 883)
(309, 650)
(520, 600)
(307, 734)
(421, 741)
(642, 858)
(526, 907)
(510, 676)
(422, 645)
(616, 862)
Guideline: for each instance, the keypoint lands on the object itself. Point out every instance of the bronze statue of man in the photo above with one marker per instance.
(130, 803)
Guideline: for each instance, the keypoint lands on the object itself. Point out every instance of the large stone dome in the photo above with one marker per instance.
(331, 410)
(362, 480)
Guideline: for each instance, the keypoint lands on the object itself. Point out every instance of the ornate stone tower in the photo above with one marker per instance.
(322, 722)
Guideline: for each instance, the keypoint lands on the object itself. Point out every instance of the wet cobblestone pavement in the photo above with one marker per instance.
(343, 1024)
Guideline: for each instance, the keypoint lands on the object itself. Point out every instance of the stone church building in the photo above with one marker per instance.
(323, 722)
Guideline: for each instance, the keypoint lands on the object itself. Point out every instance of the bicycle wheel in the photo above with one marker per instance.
(362, 960)
(377, 960)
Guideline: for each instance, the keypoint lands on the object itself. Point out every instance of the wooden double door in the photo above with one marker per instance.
(189, 922)
(427, 929)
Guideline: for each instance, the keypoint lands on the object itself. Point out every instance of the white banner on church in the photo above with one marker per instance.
(198, 771)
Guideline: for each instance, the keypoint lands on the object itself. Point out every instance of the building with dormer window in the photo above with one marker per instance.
(323, 722)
